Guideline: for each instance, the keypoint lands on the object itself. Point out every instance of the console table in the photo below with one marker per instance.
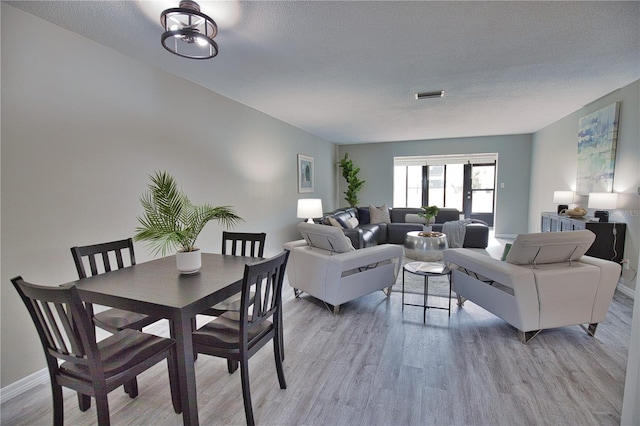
(607, 245)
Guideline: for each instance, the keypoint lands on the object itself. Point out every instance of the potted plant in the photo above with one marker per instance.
(170, 221)
(429, 214)
(350, 172)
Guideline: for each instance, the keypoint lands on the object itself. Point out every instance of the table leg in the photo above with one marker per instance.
(186, 372)
(426, 292)
(449, 276)
(403, 289)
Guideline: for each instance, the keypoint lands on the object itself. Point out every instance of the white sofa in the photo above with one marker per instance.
(326, 266)
(545, 282)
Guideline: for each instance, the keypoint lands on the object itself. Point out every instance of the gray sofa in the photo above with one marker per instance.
(367, 234)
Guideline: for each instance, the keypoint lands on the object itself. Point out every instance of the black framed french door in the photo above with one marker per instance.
(479, 191)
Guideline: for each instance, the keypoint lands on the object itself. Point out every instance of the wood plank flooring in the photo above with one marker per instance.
(375, 364)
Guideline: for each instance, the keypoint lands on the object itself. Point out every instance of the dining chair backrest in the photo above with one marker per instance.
(64, 326)
(103, 257)
(243, 243)
(92, 369)
(262, 293)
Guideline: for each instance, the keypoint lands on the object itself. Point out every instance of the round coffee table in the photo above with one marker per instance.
(427, 249)
(426, 269)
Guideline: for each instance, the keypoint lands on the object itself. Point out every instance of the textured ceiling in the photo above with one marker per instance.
(348, 71)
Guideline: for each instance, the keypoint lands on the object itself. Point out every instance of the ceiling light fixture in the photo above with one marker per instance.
(188, 32)
(430, 95)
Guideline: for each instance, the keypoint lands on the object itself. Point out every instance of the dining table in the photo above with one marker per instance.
(157, 288)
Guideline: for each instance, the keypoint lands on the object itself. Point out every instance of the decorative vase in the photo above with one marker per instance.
(189, 262)
(426, 228)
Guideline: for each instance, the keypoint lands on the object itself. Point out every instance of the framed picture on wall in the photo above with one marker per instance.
(305, 173)
(597, 139)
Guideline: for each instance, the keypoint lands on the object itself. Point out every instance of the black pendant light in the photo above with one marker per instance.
(188, 32)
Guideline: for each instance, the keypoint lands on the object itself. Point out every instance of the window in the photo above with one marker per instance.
(464, 182)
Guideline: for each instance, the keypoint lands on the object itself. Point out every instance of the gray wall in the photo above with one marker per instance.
(83, 126)
(376, 163)
(554, 167)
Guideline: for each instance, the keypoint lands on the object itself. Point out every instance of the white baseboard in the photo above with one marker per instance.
(506, 236)
(23, 385)
(626, 290)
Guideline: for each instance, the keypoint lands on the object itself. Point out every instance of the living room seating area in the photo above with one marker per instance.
(545, 282)
(365, 232)
(326, 266)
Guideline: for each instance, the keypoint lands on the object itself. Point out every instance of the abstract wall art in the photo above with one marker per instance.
(597, 138)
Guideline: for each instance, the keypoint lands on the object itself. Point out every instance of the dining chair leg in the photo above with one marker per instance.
(131, 388)
(84, 402)
(174, 385)
(102, 406)
(232, 366)
(58, 404)
(246, 393)
(194, 327)
(278, 356)
(280, 334)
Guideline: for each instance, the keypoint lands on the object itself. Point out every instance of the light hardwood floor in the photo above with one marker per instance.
(375, 364)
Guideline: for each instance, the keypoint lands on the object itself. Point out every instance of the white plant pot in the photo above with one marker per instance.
(426, 228)
(189, 262)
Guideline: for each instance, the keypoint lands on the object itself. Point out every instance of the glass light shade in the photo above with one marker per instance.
(309, 208)
(603, 200)
(563, 197)
(188, 32)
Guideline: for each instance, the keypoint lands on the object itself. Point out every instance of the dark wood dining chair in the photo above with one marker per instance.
(238, 244)
(91, 368)
(237, 336)
(103, 258)
(110, 256)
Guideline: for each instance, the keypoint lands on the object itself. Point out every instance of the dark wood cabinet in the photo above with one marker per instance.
(609, 243)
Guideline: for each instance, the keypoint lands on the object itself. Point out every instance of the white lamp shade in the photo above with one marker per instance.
(603, 200)
(309, 208)
(563, 197)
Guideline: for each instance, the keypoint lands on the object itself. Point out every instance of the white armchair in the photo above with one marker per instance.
(327, 267)
(545, 282)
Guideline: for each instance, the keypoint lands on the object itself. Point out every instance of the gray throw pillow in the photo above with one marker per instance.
(379, 214)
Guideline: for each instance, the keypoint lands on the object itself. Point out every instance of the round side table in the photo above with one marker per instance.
(427, 249)
(426, 269)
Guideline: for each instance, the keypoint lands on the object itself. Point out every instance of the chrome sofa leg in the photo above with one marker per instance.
(526, 336)
(591, 329)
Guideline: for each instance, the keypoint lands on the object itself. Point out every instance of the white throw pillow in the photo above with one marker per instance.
(379, 214)
(352, 222)
(414, 218)
(325, 237)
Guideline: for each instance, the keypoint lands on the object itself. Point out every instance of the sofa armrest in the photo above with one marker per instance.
(609, 276)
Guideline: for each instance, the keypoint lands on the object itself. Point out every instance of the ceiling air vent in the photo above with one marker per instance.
(430, 95)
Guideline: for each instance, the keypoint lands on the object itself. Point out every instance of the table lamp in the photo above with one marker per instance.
(563, 198)
(308, 208)
(603, 200)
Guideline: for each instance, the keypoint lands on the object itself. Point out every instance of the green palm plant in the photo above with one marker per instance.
(170, 221)
(349, 173)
